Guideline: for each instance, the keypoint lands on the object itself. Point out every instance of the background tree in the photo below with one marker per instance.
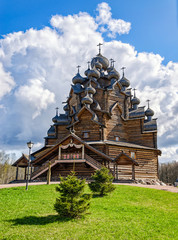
(7, 172)
(168, 172)
(102, 182)
(72, 201)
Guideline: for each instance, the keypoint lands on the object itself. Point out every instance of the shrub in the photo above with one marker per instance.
(102, 182)
(72, 201)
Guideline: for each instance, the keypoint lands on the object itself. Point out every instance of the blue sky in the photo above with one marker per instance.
(154, 23)
(42, 42)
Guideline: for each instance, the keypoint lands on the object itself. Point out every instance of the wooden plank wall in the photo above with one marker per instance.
(147, 160)
(115, 126)
(86, 124)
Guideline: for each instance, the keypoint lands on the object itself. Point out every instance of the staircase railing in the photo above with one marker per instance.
(93, 162)
(42, 168)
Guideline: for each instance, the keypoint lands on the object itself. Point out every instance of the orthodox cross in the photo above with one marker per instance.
(123, 70)
(88, 64)
(99, 45)
(78, 68)
(148, 103)
(111, 61)
(57, 111)
(134, 91)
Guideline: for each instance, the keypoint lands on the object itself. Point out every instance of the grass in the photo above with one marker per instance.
(127, 213)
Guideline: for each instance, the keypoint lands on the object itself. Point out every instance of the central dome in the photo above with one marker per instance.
(102, 60)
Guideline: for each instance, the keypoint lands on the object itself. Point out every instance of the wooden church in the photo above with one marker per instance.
(103, 125)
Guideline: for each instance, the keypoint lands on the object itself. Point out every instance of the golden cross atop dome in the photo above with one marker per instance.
(99, 45)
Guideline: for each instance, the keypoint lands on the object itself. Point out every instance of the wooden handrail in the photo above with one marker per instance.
(46, 165)
(93, 162)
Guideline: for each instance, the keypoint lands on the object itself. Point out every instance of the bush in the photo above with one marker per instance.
(102, 182)
(72, 201)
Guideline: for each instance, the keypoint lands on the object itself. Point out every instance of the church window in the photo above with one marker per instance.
(85, 134)
(117, 138)
(133, 155)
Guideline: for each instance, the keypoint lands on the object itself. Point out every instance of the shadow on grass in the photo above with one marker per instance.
(98, 196)
(35, 220)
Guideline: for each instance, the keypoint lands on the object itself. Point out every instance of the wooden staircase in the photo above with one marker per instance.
(93, 163)
(89, 160)
(43, 168)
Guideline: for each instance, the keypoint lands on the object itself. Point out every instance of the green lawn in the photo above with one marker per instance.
(127, 213)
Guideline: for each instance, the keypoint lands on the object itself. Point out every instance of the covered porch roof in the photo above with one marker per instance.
(124, 159)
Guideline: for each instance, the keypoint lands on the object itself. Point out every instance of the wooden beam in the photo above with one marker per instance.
(133, 171)
(17, 171)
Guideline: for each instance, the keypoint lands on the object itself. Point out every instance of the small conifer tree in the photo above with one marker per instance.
(102, 182)
(72, 201)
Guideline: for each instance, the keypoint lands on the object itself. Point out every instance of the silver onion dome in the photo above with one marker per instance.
(87, 100)
(135, 100)
(124, 82)
(113, 74)
(98, 65)
(78, 79)
(149, 112)
(55, 119)
(93, 73)
(51, 131)
(90, 89)
(86, 72)
(102, 60)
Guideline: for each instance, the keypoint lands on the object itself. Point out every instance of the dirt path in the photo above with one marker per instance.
(158, 187)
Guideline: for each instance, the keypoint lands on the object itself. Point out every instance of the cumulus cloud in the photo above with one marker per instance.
(6, 82)
(110, 25)
(37, 66)
(35, 95)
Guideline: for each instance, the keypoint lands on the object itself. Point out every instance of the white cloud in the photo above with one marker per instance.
(35, 95)
(6, 82)
(112, 26)
(37, 67)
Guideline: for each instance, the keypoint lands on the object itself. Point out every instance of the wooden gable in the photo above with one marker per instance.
(124, 159)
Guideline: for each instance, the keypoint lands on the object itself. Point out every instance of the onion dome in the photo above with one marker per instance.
(102, 60)
(51, 131)
(54, 119)
(135, 100)
(149, 112)
(98, 65)
(78, 79)
(87, 99)
(124, 82)
(93, 73)
(86, 72)
(113, 74)
(90, 89)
